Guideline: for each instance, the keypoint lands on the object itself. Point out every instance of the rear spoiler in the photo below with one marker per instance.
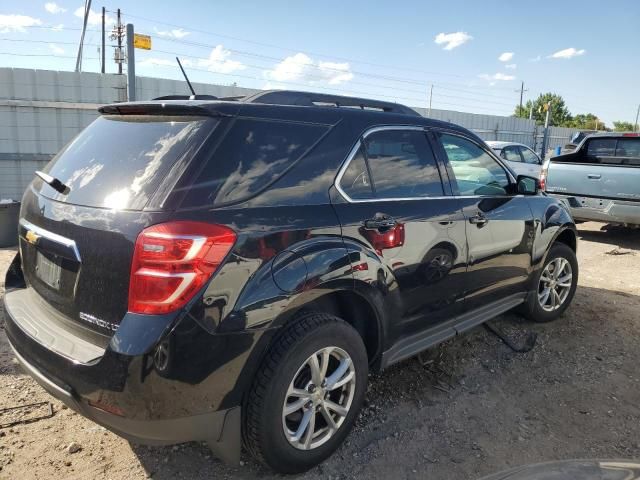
(159, 108)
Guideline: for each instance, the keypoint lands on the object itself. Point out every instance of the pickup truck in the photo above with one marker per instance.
(599, 180)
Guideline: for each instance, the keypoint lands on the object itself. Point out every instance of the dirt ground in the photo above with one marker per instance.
(466, 409)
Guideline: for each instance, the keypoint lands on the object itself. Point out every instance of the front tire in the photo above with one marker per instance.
(307, 393)
(556, 284)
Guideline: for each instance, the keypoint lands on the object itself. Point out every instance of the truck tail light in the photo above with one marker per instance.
(542, 183)
(172, 261)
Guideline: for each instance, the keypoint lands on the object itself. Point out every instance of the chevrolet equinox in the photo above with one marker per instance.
(230, 270)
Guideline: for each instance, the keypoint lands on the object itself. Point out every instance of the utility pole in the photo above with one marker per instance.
(103, 42)
(131, 65)
(522, 90)
(87, 7)
(635, 125)
(431, 98)
(531, 112)
(116, 34)
(119, 43)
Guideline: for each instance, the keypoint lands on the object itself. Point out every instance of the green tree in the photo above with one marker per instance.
(621, 126)
(560, 114)
(586, 121)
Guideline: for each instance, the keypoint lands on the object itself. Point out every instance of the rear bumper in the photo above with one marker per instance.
(208, 426)
(602, 209)
(194, 396)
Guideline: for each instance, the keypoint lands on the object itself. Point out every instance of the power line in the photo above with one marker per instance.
(320, 78)
(323, 69)
(58, 28)
(262, 44)
(45, 41)
(12, 54)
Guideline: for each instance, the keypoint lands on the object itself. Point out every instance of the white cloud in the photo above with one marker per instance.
(175, 33)
(568, 53)
(536, 59)
(452, 40)
(55, 49)
(303, 69)
(95, 18)
(511, 66)
(219, 61)
(497, 76)
(506, 56)
(53, 7)
(17, 23)
(58, 28)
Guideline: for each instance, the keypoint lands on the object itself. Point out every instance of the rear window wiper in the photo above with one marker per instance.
(53, 182)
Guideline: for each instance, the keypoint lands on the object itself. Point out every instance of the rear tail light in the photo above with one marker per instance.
(172, 261)
(542, 183)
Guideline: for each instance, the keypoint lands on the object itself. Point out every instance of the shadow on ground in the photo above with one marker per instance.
(612, 235)
(473, 406)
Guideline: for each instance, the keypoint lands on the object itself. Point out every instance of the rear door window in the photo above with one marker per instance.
(601, 147)
(253, 154)
(118, 162)
(402, 164)
(355, 181)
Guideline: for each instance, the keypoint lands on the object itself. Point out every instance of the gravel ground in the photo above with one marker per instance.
(466, 409)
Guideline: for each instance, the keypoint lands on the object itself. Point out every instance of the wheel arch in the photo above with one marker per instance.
(350, 305)
(567, 236)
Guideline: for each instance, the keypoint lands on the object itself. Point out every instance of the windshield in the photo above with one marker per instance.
(118, 162)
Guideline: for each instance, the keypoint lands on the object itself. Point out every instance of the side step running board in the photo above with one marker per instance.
(410, 346)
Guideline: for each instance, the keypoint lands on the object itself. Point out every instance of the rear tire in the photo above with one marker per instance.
(555, 283)
(290, 423)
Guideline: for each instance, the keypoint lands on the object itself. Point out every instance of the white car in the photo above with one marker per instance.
(520, 158)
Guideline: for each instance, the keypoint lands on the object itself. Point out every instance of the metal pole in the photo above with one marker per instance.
(430, 98)
(119, 42)
(87, 7)
(103, 42)
(521, 93)
(635, 125)
(531, 112)
(131, 65)
(545, 139)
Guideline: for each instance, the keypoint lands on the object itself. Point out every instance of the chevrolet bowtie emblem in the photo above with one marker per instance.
(32, 237)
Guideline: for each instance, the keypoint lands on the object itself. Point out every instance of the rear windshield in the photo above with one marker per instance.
(119, 162)
(606, 151)
(253, 154)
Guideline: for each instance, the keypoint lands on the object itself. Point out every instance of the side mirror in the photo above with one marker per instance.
(527, 185)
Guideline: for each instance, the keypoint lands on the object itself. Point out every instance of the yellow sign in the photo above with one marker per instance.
(142, 41)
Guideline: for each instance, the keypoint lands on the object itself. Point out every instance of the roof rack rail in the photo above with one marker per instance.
(310, 99)
(186, 97)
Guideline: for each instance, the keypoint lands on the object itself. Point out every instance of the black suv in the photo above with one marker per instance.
(230, 270)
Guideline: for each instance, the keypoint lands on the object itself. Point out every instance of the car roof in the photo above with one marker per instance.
(294, 106)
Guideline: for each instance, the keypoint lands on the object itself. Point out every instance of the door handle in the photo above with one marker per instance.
(594, 176)
(479, 220)
(380, 222)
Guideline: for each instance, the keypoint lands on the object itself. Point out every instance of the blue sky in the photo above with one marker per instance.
(475, 53)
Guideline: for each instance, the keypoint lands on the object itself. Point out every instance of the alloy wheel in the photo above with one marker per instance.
(319, 398)
(555, 284)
